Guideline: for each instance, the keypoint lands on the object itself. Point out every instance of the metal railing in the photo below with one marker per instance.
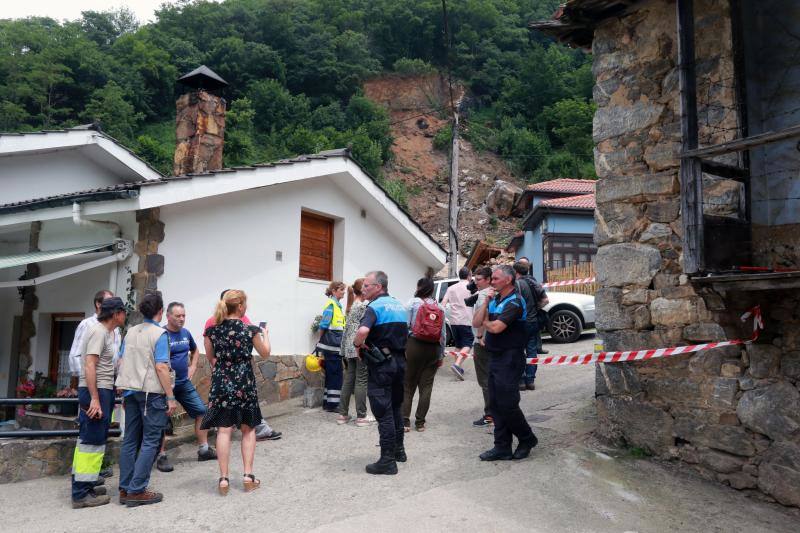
(37, 433)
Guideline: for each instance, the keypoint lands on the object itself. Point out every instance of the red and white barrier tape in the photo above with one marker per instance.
(642, 355)
(580, 281)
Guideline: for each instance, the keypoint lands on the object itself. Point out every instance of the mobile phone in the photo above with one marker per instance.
(263, 324)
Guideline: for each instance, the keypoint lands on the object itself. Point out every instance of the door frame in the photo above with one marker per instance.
(55, 340)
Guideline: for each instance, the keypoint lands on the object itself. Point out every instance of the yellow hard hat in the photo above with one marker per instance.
(312, 363)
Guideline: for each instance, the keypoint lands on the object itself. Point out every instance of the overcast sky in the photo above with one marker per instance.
(71, 9)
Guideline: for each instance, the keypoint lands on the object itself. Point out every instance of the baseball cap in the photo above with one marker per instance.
(112, 305)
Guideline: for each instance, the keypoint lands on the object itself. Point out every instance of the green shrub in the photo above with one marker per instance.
(443, 139)
(412, 67)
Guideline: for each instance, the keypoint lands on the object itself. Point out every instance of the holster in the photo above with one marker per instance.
(375, 355)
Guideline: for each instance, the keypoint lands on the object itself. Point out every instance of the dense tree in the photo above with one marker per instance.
(295, 69)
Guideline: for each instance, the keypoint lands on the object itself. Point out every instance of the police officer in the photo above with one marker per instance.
(503, 316)
(384, 329)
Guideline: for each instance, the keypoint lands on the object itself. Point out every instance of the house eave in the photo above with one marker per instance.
(539, 212)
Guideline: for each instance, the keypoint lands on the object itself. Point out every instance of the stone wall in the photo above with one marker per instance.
(734, 414)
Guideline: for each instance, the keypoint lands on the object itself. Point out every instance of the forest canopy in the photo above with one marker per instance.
(295, 68)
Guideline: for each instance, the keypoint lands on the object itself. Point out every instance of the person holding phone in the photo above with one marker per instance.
(233, 399)
(96, 399)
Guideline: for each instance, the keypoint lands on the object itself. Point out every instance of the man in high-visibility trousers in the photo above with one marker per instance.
(96, 399)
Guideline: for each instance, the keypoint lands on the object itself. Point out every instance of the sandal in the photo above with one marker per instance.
(252, 484)
(223, 491)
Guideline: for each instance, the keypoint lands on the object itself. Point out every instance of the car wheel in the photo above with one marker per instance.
(564, 326)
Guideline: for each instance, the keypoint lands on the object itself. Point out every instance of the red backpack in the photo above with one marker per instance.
(428, 323)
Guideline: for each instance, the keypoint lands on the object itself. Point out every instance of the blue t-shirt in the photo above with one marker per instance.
(181, 344)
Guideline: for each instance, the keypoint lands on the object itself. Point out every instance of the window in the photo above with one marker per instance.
(316, 247)
(572, 249)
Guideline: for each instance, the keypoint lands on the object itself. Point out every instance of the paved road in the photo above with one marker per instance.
(314, 479)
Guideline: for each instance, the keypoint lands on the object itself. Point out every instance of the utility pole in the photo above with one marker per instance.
(452, 219)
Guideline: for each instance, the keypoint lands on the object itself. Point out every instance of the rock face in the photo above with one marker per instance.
(502, 198)
(199, 133)
(732, 413)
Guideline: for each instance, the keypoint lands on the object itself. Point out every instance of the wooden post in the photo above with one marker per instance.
(453, 217)
(690, 173)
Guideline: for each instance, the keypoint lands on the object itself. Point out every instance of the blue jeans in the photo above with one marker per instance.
(190, 400)
(145, 419)
(93, 434)
(531, 350)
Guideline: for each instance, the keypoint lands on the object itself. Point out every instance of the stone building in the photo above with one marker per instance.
(697, 220)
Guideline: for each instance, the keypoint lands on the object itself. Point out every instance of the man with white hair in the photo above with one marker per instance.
(502, 316)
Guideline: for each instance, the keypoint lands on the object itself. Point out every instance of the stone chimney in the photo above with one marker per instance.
(199, 123)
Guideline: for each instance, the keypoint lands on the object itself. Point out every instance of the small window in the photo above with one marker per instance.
(316, 247)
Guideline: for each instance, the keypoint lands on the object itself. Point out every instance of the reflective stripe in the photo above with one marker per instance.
(328, 347)
(87, 460)
(338, 319)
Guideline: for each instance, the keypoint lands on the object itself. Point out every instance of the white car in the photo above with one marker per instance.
(568, 313)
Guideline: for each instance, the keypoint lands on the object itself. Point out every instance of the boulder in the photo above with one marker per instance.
(502, 198)
(666, 312)
(764, 360)
(773, 410)
(617, 265)
(779, 473)
(721, 462)
(609, 313)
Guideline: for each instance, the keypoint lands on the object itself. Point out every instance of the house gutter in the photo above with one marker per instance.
(78, 220)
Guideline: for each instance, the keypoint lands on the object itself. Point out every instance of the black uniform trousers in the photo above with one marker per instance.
(385, 393)
(505, 368)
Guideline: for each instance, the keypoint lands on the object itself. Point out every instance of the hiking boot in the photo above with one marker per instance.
(163, 464)
(272, 435)
(530, 386)
(91, 500)
(207, 454)
(522, 387)
(524, 448)
(400, 454)
(123, 496)
(496, 455)
(384, 466)
(143, 498)
(107, 472)
(458, 371)
(99, 491)
(483, 422)
(99, 481)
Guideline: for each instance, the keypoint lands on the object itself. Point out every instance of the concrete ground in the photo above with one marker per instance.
(314, 480)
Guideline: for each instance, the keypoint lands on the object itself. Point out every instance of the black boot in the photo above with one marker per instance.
(385, 465)
(400, 453)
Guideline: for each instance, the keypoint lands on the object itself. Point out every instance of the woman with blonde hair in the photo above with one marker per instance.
(355, 369)
(330, 343)
(233, 399)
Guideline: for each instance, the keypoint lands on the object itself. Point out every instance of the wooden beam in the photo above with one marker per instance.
(691, 171)
(724, 171)
(743, 144)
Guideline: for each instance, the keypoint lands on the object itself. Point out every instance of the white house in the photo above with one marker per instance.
(278, 231)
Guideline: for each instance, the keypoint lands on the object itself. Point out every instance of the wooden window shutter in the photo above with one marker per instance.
(316, 247)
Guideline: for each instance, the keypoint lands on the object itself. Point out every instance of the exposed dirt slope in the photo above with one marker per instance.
(419, 108)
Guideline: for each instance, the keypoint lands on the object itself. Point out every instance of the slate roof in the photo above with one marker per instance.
(581, 201)
(564, 185)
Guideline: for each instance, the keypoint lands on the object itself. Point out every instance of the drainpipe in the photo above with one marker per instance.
(77, 218)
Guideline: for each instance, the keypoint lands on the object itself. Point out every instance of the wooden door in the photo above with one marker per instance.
(316, 247)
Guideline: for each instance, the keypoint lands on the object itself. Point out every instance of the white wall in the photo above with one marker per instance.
(72, 294)
(230, 242)
(23, 177)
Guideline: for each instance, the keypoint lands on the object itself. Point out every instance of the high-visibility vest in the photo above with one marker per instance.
(337, 322)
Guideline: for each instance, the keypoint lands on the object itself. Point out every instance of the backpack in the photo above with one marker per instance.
(536, 288)
(428, 322)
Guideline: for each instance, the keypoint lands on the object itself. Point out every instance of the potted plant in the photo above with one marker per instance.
(25, 389)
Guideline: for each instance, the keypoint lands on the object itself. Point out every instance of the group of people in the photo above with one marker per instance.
(152, 368)
(377, 349)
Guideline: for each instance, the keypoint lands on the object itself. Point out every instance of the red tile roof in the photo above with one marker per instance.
(564, 185)
(582, 201)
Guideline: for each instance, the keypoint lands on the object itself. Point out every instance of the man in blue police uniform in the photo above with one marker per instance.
(503, 316)
(381, 339)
